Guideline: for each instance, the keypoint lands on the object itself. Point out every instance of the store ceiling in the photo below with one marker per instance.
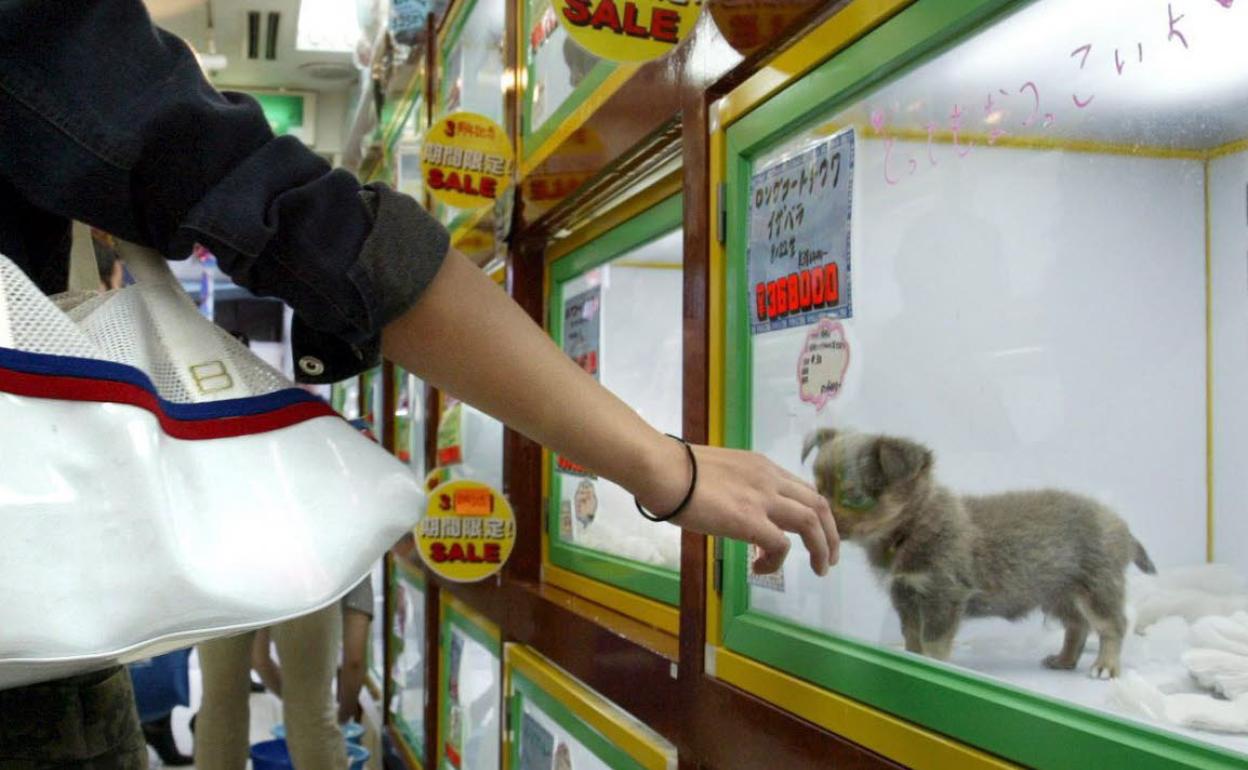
(291, 69)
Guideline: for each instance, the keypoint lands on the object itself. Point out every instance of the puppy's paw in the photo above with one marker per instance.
(1103, 670)
(1058, 663)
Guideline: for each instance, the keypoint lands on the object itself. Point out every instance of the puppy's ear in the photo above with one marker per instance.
(901, 459)
(816, 439)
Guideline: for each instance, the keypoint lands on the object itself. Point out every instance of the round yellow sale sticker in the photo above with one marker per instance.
(467, 532)
(628, 30)
(466, 160)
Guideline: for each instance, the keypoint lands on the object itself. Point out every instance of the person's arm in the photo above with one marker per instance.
(351, 676)
(498, 360)
(263, 664)
(109, 121)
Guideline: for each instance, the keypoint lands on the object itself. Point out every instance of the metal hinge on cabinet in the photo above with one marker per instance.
(722, 219)
(718, 567)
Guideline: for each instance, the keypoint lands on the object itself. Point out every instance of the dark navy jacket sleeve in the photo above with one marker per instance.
(106, 119)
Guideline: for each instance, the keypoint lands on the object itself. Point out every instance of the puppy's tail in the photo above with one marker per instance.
(1140, 557)
(816, 439)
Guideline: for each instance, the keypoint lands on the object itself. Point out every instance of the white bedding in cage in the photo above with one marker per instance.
(1156, 685)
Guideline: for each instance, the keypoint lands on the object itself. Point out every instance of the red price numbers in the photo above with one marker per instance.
(588, 361)
(798, 292)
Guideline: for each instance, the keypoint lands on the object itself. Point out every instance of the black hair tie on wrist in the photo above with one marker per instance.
(693, 483)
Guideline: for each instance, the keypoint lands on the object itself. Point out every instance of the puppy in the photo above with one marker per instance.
(945, 557)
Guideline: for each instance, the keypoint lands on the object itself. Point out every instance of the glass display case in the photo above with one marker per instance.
(409, 691)
(985, 266)
(470, 691)
(615, 308)
(408, 178)
(376, 654)
(371, 385)
(472, 75)
(557, 723)
(470, 444)
(560, 74)
(409, 421)
(344, 397)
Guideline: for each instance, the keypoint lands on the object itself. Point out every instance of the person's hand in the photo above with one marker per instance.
(348, 708)
(743, 495)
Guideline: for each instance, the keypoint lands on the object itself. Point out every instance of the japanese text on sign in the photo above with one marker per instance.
(467, 532)
(628, 30)
(799, 236)
(466, 160)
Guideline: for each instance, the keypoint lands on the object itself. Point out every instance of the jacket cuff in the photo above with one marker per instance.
(400, 257)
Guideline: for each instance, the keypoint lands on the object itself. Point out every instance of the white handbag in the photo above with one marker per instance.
(161, 485)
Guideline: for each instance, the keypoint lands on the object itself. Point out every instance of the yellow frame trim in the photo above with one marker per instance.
(649, 265)
(824, 41)
(413, 570)
(390, 134)
(662, 616)
(600, 713)
(1038, 143)
(448, 20)
(446, 600)
(469, 225)
(413, 762)
(671, 184)
(1209, 502)
(894, 738)
(578, 118)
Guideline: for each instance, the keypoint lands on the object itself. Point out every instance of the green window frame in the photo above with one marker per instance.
(654, 582)
(415, 739)
(453, 618)
(524, 688)
(535, 136)
(1013, 723)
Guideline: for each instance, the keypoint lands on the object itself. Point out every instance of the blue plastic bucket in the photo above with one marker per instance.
(270, 755)
(352, 731)
(273, 755)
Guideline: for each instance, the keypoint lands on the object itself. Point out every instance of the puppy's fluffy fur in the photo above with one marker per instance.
(946, 556)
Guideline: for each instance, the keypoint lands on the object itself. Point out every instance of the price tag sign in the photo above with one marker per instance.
(466, 160)
(537, 745)
(799, 237)
(467, 532)
(451, 436)
(822, 364)
(628, 30)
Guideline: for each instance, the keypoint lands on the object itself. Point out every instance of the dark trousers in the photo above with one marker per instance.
(85, 722)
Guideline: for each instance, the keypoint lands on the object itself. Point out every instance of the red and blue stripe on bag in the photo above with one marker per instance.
(63, 378)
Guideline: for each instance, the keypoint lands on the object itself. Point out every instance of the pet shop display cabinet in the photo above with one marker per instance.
(409, 421)
(614, 306)
(344, 397)
(562, 84)
(409, 687)
(998, 247)
(409, 138)
(470, 687)
(555, 721)
(472, 76)
(469, 442)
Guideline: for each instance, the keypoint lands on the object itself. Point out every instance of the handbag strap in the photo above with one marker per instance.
(205, 361)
